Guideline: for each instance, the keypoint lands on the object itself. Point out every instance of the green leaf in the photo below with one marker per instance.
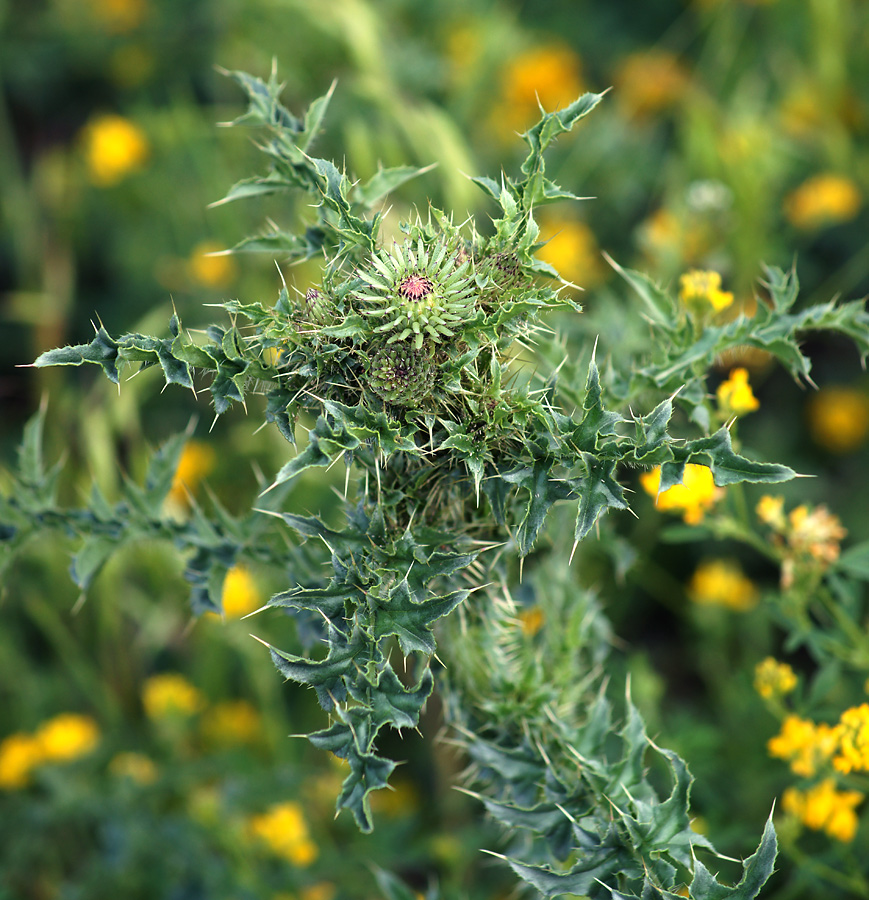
(728, 467)
(390, 702)
(855, 561)
(598, 491)
(368, 772)
(385, 181)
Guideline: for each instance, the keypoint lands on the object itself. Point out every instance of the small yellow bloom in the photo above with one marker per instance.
(135, 766)
(839, 418)
(549, 76)
(196, 463)
(650, 81)
(283, 828)
(693, 497)
(822, 807)
(721, 582)
(807, 747)
(699, 290)
(240, 595)
(824, 199)
(114, 148)
(773, 678)
(531, 620)
(170, 694)
(770, 511)
(210, 270)
(232, 722)
(19, 754)
(571, 249)
(817, 533)
(853, 755)
(67, 737)
(735, 397)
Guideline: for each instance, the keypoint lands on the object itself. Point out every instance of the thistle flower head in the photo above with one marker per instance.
(401, 374)
(422, 291)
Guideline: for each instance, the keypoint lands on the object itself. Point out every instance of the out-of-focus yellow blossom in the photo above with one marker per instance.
(170, 694)
(210, 270)
(699, 290)
(694, 497)
(232, 722)
(114, 148)
(119, 16)
(531, 620)
(572, 250)
(771, 511)
(20, 754)
(196, 463)
(773, 678)
(853, 753)
(135, 766)
(817, 532)
(721, 582)
(838, 418)
(822, 807)
(67, 737)
(801, 112)
(650, 81)
(550, 76)
(735, 397)
(284, 829)
(806, 746)
(240, 595)
(322, 890)
(824, 199)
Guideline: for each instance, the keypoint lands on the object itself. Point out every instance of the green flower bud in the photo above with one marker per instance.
(401, 374)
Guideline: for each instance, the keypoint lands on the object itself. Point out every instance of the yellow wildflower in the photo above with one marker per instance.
(531, 620)
(114, 147)
(773, 678)
(649, 81)
(822, 807)
(572, 250)
(283, 828)
(807, 747)
(838, 418)
(770, 511)
(208, 269)
(735, 397)
(197, 461)
(240, 595)
(816, 532)
(170, 694)
(322, 890)
(19, 754)
(232, 722)
(853, 754)
(693, 497)
(135, 766)
(549, 76)
(67, 736)
(721, 582)
(699, 290)
(824, 199)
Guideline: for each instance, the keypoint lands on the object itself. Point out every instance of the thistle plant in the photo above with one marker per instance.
(407, 361)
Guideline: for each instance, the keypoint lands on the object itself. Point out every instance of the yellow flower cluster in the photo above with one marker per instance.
(810, 539)
(699, 290)
(549, 76)
(59, 740)
(806, 746)
(572, 250)
(838, 418)
(196, 463)
(284, 830)
(824, 808)
(694, 497)
(774, 679)
(650, 81)
(240, 594)
(721, 582)
(824, 199)
(114, 148)
(735, 397)
(169, 695)
(853, 751)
